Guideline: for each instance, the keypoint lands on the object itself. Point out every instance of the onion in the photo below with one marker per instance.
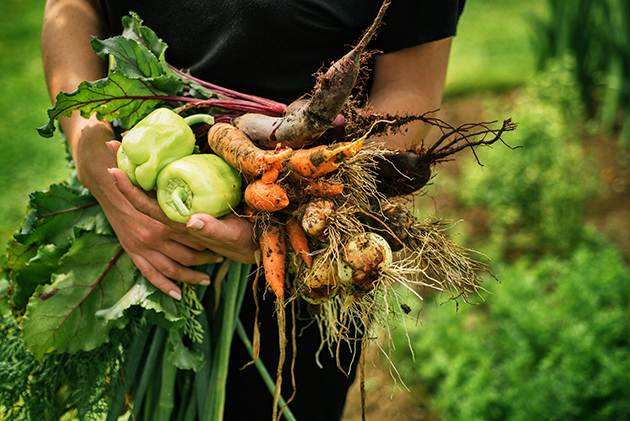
(364, 259)
(321, 284)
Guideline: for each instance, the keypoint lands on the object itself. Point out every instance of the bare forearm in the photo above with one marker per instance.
(68, 28)
(410, 81)
(68, 59)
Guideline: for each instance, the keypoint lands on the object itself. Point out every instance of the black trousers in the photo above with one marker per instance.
(320, 391)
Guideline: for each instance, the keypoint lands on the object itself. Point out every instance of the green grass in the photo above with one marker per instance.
(494, 48)
(28, 162)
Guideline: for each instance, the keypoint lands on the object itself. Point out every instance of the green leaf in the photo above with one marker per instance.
(144, 294)
(4, 295)
(115, 97)
(133, 29)
(183, 357)
(31, 266)
(133, 60)
(61, 316)
(58, 213)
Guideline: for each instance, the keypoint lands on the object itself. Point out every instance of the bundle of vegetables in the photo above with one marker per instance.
(327, 200)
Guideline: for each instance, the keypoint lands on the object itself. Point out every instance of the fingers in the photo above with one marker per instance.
(229, 236)
(136, 196)
(156, 276)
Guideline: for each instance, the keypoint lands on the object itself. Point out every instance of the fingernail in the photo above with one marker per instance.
(111, 148)
(205, 282)
(195, 224)
(109, 170)
(175, 295)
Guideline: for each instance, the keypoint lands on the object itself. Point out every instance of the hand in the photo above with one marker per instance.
(229, 236)
(161, 253)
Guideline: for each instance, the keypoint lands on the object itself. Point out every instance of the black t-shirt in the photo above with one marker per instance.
(272, 48)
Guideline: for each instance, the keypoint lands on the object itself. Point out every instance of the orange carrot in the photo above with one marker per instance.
(273, 247)
(249, 213)
(323, 188)
(271, 175)
(238, 150)
(269, 197)
(320, 160)
(299, 241)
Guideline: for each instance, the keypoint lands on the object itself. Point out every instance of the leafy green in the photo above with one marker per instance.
(163, 308)
(552, 343)
(115, 97)
(58, 213)
(61, 316)
(55, 218)
(79, 383)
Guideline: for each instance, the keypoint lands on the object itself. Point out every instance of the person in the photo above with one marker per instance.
(269, 48)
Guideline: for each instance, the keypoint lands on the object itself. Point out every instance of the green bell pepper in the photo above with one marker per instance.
(157, 140)
(200, 183)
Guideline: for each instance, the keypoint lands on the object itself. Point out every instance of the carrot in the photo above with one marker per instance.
(273, 247)
(267, 197)
(249, 213)
(323, 188)
(238, 150)
(318, 161)
(309, 121)
(271, 175)
(299, 241)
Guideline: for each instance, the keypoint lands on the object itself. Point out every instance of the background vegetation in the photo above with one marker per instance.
(551, 342)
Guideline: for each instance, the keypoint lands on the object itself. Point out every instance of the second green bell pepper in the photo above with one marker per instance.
(160, 138)
(200, 183)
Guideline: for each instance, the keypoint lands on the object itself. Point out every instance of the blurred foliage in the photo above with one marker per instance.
(552, 343)
(28, 162)
(535, 195)
(493, 48)
(597, 33)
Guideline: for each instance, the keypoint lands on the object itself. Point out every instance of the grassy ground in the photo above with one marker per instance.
(28, 162)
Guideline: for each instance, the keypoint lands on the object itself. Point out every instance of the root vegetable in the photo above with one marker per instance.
(396, 220)
(299, 241)
(323, 188)
(316, 216)
(364, 258)
(273, 248)
(310, 120)
(402, 173)
(265, 197)
(318, 161)
(321, 283)
(238, 150)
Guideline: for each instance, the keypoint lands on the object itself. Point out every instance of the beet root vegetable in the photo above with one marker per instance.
(310, 120)
(363, 261)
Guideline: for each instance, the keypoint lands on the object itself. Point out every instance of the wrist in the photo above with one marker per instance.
(87, 140)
